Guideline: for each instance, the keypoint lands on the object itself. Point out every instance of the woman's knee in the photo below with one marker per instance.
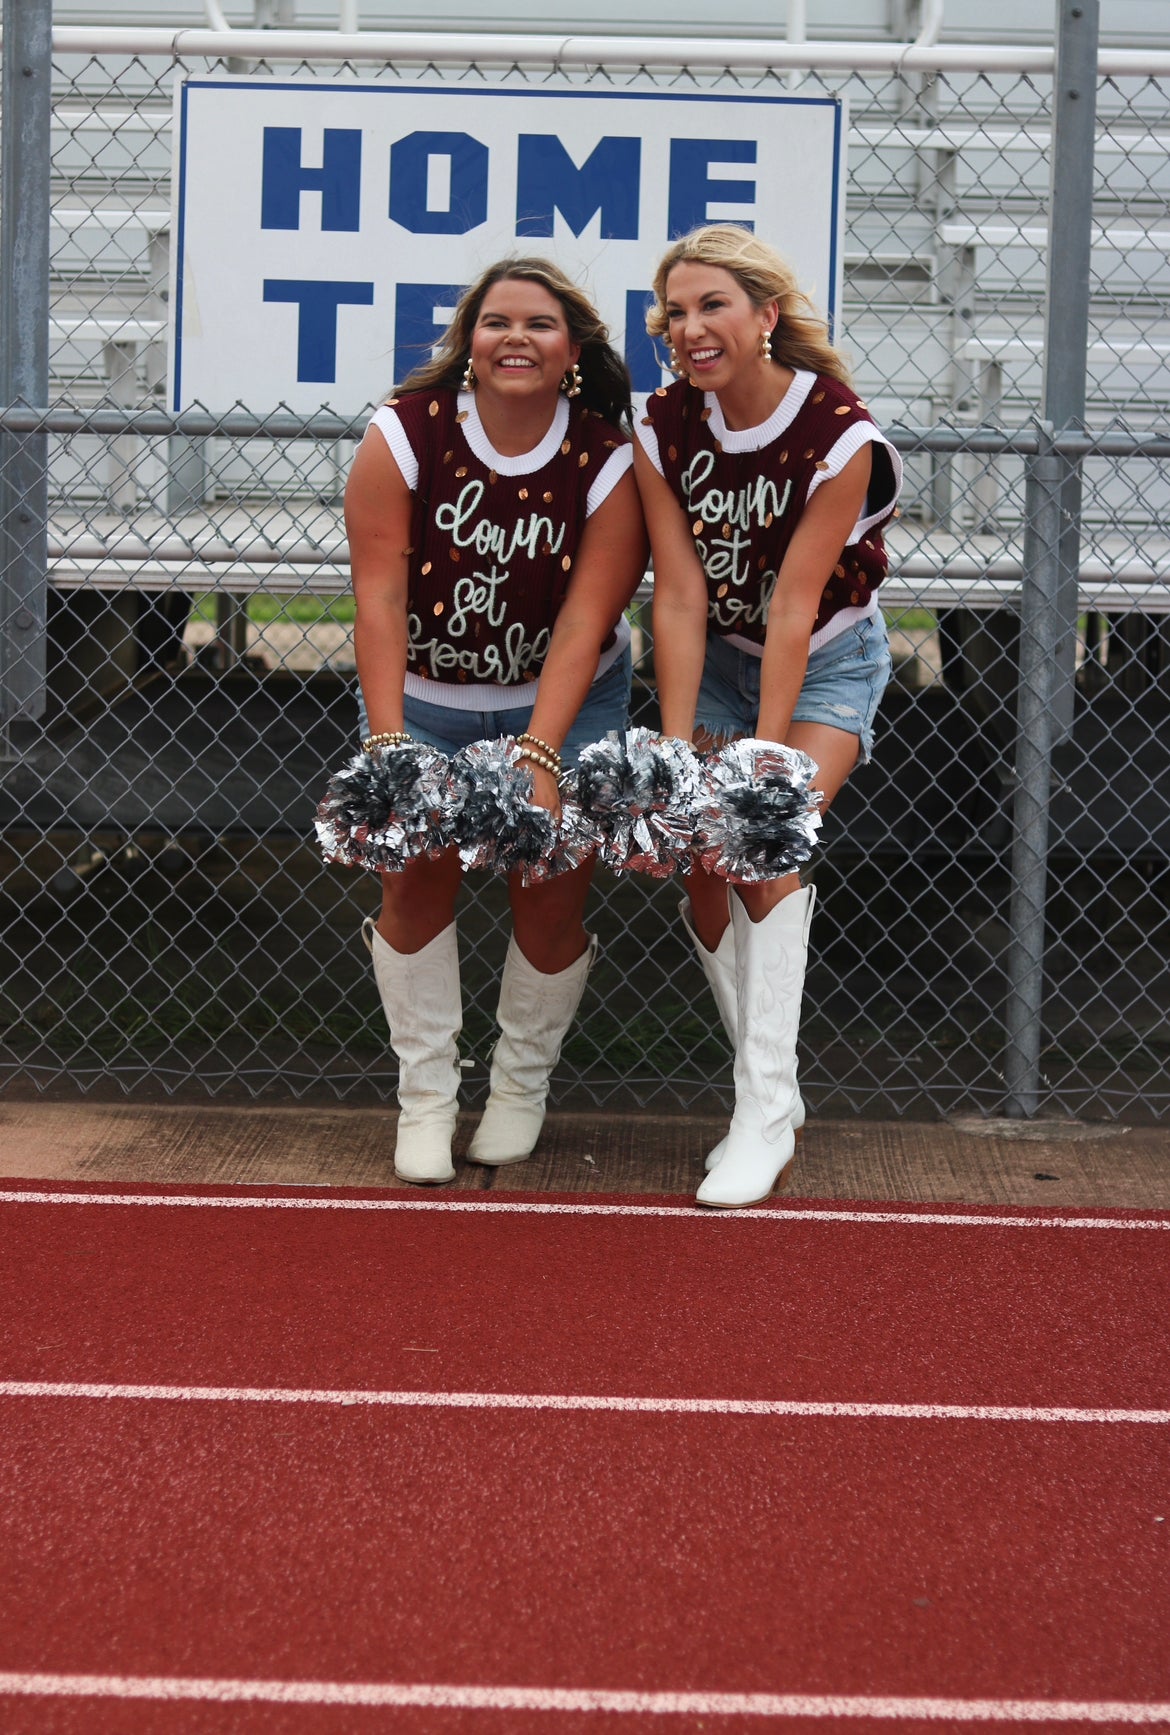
(419, 902)
(548, 919)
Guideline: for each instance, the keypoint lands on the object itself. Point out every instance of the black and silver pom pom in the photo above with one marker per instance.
(499, 827)
(386, 808)
(641, 792)
(760, 816)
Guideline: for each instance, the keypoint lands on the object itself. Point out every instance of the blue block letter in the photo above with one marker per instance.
(317, 326)
(644, 358)
(548, 180)
(468, 203)
(416, 330)
(338, 180)
(691, 186)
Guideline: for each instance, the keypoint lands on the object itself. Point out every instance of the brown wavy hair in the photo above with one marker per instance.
(605, 379)
(801, 335)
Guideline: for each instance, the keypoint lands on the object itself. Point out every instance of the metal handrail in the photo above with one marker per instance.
(584, 52)
(284, 425)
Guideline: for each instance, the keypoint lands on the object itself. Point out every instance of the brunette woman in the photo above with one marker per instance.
(496, 537)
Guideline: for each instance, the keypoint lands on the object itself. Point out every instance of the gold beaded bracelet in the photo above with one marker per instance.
(386, 738)
(535, 741)
(542, 760)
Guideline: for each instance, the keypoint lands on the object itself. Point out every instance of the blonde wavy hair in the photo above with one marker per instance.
(801, 336)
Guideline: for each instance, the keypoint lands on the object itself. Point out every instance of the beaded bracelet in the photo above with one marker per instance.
(542, 760)
(386, 738)
(535, 741)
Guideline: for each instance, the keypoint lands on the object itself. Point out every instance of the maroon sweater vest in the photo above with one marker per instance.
(743, 507)
(491, 555)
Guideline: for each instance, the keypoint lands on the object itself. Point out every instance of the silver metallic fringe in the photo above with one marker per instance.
(641, 792)
(759, 818)
(499, 826)
(386, 808)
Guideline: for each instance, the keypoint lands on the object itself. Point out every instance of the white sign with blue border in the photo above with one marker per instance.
(323, 232)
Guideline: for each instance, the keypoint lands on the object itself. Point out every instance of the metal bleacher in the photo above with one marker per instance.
(943, 313)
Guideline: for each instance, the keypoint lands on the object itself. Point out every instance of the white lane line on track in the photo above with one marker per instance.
(786, 1214)
(569, 1401)
(1110, 1711)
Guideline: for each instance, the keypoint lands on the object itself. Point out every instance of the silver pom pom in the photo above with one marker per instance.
(760, 816)
(641, 791)
(501, 828)
(387, 807)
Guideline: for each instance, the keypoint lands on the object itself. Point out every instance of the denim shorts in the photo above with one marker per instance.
(606, 707)
(842, 685)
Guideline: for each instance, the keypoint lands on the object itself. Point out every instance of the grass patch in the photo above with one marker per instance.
(264, 609)
(911, 620)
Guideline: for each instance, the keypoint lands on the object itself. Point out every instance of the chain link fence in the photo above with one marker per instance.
(166, 917)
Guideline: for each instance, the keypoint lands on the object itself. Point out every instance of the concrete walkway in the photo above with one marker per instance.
(1050, 1163)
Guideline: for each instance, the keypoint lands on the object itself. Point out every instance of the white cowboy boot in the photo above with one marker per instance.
(534, 1013)
(421, 1000)
(771, 957)
(719, 969)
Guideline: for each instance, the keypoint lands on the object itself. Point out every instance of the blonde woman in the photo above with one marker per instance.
(495, 536)
(765, 483)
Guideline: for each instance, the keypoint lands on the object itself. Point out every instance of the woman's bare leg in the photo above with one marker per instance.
(548, 919)
(419, 902)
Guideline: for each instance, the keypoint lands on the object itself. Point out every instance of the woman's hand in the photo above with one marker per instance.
(545, 789)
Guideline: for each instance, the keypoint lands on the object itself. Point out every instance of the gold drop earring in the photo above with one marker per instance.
(676, 367)
(467, 383)
(766, 346)
(571, 384)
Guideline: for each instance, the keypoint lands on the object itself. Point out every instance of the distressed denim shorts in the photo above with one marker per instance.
(606, 707)
(842, 686)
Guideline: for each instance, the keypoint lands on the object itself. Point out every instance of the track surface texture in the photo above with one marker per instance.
(327, 1460)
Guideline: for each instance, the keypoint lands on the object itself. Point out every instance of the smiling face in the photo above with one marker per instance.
(715, 327)
(521, 346)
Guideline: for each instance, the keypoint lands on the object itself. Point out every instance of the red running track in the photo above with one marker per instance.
(998, 1566)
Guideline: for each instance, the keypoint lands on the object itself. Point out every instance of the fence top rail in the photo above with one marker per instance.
(579, 52)
(990, 441)
(892, 134)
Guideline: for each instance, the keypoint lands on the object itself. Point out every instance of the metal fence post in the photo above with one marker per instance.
(1048, 609)
(1070, 229)
(1040, 626)
(24, 352)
